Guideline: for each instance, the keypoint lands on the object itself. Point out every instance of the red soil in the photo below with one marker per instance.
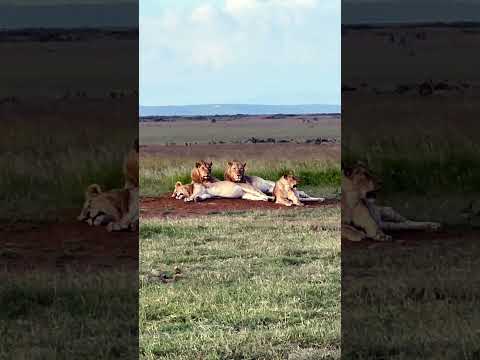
(166, 206)
(69, 245)
(414, 238)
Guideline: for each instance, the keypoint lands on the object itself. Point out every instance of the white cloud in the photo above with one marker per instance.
(238, 36)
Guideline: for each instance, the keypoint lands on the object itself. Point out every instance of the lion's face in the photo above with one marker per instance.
(236, 170)
(182, 191)
(204, 169)
(89, 209)
(291, 180)
(363, 181)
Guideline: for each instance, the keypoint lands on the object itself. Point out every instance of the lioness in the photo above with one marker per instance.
(202, 172)
(284, 191)
(118, 209)
(235, 172)
(109, 208)
(362, 218)
(219, 189)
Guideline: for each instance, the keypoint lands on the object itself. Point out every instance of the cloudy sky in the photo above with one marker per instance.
(239, 51)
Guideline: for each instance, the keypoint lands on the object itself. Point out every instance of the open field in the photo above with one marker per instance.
(69, 315)
(239, 128)
(255, 285)
(414, 299)
(258, 281)
(424, 144)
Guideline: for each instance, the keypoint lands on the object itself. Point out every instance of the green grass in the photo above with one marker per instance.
(420, 146)
(415, 302)
(159, 175)
(68, 315)
(45, 169)
(257, 285)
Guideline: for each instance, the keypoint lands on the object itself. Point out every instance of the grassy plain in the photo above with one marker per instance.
(414, 298)
(240, 128)
(256, 285)
(68, 315)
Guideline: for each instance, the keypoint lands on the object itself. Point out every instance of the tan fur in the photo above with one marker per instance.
(235, 172)
(219, 189)
(131, 167)
(284, 191)
(362, 218)
(202, 172)
(118, 209)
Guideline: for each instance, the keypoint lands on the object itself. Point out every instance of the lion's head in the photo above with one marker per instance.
(290, 180)
(202, 171)
(89, 210)
(235, 171)
(359, 178)
(182, 191)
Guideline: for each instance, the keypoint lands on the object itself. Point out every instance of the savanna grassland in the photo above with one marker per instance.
(410, 113)
(252, 284)
(318, 164)
(68, 114)
(255, 285)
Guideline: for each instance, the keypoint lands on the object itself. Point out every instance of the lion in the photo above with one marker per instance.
(362, 218)
(284, 191)
(202, 173)
(235, 172)
(220, 189)
(110, 208)
(118, 209)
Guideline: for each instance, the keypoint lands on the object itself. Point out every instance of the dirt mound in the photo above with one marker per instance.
(69, 245)
(166, 206)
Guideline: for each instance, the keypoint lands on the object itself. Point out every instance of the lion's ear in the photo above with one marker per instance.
(197, 164)
(285, 176)
(210, 163)
(177, 184)
(230, 163)
(244, 164)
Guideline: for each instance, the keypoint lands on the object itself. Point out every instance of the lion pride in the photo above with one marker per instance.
(235, 172)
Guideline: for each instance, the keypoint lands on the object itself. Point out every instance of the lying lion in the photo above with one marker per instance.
(112, 208)
(362, 218)
(219, 189)
(118, 209)
(202, 173)
(235, 172)
(284, 191)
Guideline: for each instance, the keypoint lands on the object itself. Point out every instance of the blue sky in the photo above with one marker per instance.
(240, 51)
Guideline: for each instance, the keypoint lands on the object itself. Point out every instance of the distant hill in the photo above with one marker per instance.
(233, 109)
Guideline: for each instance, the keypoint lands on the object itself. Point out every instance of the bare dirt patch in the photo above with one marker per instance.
(69, 245)
(168, 207)
(417, 238)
